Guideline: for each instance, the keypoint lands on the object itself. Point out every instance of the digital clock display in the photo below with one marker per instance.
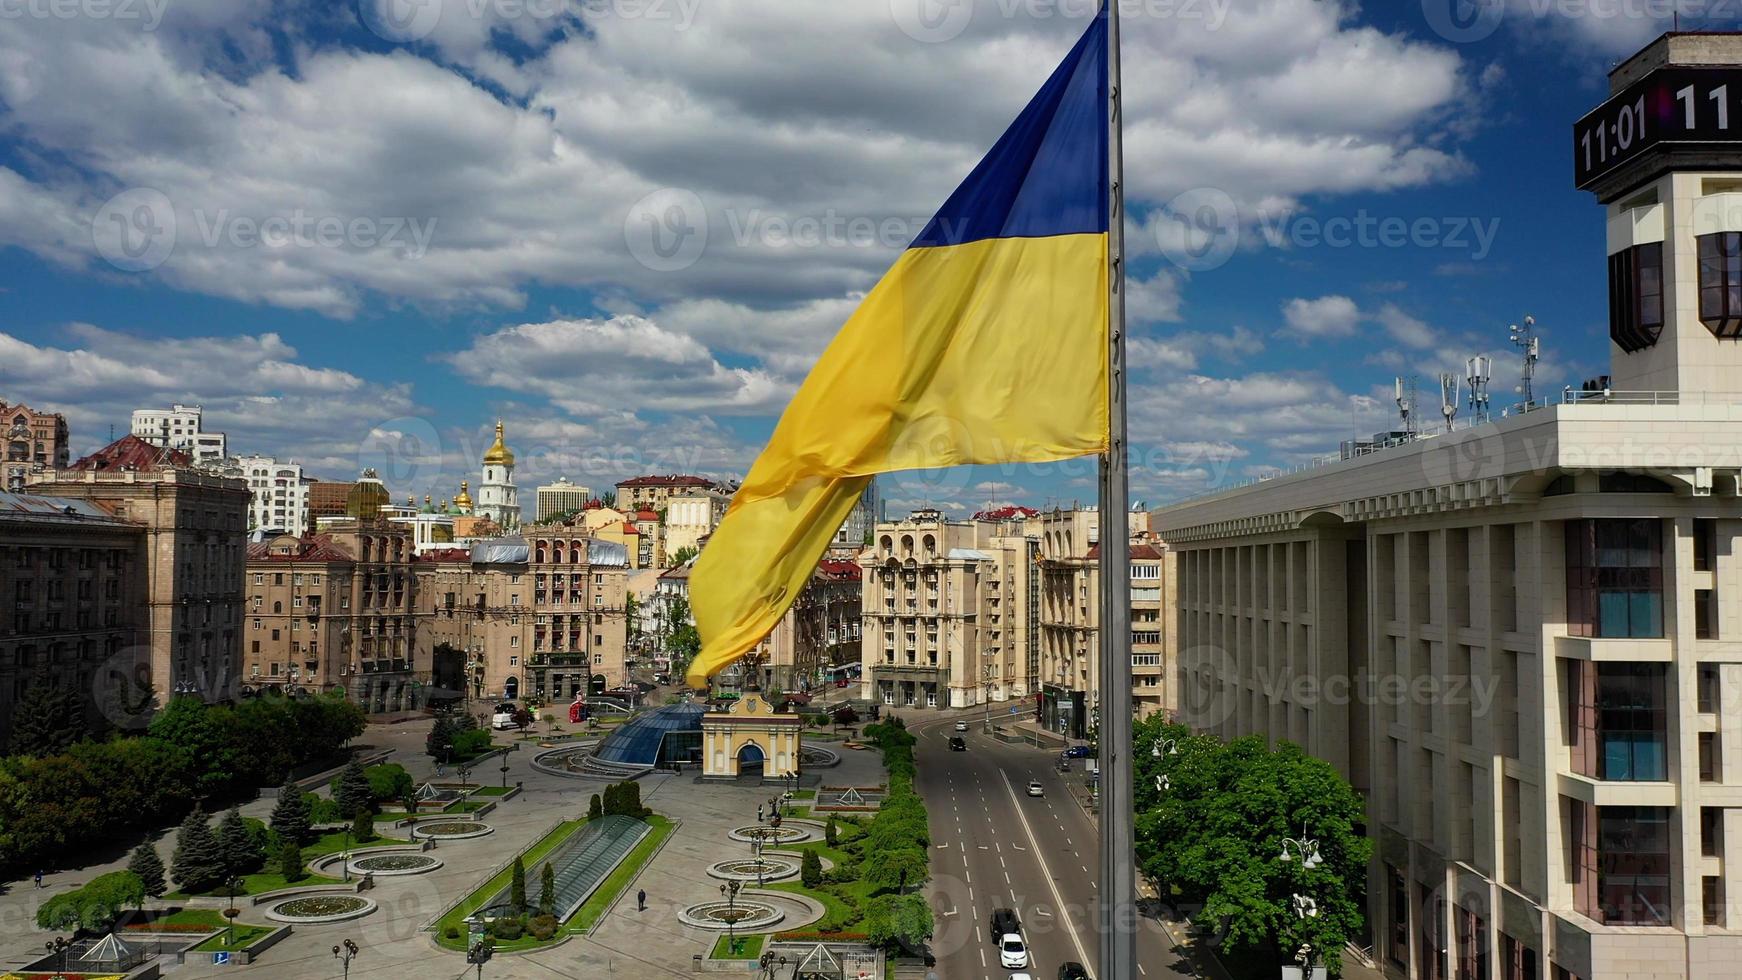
(1670, 105)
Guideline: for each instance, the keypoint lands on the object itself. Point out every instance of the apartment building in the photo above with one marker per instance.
(820, 632)
(949, 610)
(195, 539)
(73, 577)
(1521, 640)
(326, 498)
(34, 444)
(560, 497)
(653, 492)
(475, 617)
(181, 427)
(580, 607)
(337, 611)
(280, 491)
(690, 517)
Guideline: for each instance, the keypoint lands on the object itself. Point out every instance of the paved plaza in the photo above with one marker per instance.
(627, 942)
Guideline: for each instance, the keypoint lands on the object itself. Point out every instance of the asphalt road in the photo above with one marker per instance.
(994, 846)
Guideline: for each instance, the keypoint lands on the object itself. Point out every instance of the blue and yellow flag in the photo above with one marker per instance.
(986, 342)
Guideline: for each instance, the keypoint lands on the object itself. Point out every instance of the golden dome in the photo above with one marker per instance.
(463, 503)
(498, 454)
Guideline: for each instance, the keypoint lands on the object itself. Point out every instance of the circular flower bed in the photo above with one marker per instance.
(767, 869)
(721, 916)
(394, 864)
(451, 830)
(321, 908)
(788, 834)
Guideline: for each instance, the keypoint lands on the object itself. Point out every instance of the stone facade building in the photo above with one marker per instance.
(32, 445)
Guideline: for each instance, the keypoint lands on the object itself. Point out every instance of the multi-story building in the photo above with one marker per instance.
(855, 532)
(181, 427)
(1069, 655)
(33, 442)
(73, 578)
(819, 633)
(653, 492)
(498, 499)
(326, 498)
(281, 494)
(336, 611)
(690, 517)
(561, 497)
(948, 609)
(1520, 639)
(475, 607)
(580, 630)
(195, 539)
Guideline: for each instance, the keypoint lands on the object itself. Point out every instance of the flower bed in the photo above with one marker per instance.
(321, 908)
(811, 936)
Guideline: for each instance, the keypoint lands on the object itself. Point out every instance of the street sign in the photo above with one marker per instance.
(220, 959)
(1016, 711)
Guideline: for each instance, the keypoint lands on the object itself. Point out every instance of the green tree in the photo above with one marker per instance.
(198, 862)
(290, 860)
(547, 889)
(810, 869)
(239, 848)
(897, 868)
(94, 907)
(363, 826)
(145, 863)
(1214, 838)
(683, 555)
(898, 922)
(351, 790)
(290, 818)
(209, 733)
(831, 833)
(595, 808)
(47, 721)
(517, 886)
(389, 782)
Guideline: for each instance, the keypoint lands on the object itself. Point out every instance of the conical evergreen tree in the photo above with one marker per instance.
(517, 886)
(47, 721)
(351, 791)
(290, 816)
(290, 861)
(547, 890)
(149, 867)
(241, 852)
(198, 863)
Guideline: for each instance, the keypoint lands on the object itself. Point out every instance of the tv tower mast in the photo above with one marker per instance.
(1526, 339)
(1449, 398)
(1479, 369)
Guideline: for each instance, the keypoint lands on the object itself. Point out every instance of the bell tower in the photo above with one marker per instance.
(497, 497)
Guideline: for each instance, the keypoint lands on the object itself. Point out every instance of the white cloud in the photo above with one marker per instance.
(1405, 329)
(1327, 316)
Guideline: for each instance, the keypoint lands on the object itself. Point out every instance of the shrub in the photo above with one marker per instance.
(470, 743)
(451, 932)
(831, 834)
(290, 861)
(595, 808)
(542, 927)
(363, 827)
(506, 928)
(321, 811)
(389, 782)
(810, 869)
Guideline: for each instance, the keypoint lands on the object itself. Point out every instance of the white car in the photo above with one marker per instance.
(1022, 976)
(502, 718)
(961, 726)
(1012, 955)
(1035, 789)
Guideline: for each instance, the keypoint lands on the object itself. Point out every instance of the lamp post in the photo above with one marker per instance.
(346, 854)
(730, 890)
(231, 887)
(345, 953)
(1163, 746)
(464, 771)
(505, 775)
(59, 946)
(1304, 906)
(480, 954)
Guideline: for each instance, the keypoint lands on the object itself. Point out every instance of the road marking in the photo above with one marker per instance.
(1141, 970)
(971, 898)
(1007, 877)
(982, 957)
(1051, 883)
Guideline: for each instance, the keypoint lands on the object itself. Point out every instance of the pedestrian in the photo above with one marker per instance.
(39, 879)
(758, 820)
(641, 900)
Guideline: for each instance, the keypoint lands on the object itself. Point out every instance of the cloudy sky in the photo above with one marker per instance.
(359, 232)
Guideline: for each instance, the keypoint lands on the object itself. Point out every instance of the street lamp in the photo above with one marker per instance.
(1164, 746)
(346, 854)
(345, 954)
(59, 946)
(730, 890)
(504, 775)
(1306, 847)
(1305, 908)
(480, 954)
(232, 886)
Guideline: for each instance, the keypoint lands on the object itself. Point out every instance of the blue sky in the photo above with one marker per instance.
(359, 233)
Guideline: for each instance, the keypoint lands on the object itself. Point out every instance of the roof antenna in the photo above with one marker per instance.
(1480, 369)
(1526, 339)
(1449, 398)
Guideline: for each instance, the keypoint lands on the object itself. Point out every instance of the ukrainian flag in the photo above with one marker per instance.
(986, 342)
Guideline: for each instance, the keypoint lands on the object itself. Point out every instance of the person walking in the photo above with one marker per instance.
(641, 900)
(39, 879)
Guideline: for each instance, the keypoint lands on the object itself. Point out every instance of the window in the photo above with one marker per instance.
(1633, 858)
(1705, 543)
(514, 641)
(257, 624)
(1399, 947)
(1705, 615)
(1712, 831)
(1615, 577)
(1517, 961)
(1712, 897)
(1711, 760)
(1721, 283)
(514, 658)
(1708, 688)
(259, 578)
(1636, 296)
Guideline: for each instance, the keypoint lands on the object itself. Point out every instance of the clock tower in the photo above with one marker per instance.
(1664, 155)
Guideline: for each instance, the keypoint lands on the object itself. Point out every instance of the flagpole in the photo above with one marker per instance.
(1118, 887)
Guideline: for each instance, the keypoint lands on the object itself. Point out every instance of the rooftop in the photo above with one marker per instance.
(33, 509)
(672, 480)
(133, 453)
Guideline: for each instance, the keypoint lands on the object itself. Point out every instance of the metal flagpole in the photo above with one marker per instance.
(1118, 886)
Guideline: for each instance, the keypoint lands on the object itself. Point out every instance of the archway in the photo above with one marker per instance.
(596, 685)
(511, 688)
(750, 758)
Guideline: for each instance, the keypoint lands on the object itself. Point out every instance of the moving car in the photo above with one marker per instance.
(958, 744)
(1004, 922)
(1073, 971)
(1035, 789)
(502, 718)
(1022, 976)
(961, 726)
(1012, 954)
(1080, 752)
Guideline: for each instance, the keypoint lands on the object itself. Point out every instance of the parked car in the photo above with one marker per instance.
(1080, 752)
(1073, 971)
(1005, 922)
(502, 717)
(961, 726)
(1012, 954)
(1035, 789)
(958, 744)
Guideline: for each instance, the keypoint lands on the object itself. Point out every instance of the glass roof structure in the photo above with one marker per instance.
(641, 741)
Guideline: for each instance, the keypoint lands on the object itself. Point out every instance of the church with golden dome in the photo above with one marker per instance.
(497, 497)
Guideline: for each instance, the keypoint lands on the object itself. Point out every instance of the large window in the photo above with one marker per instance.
(1633, 865)
(1721, 283)
(1615, 577)
(1636, 296)
(1618, 721)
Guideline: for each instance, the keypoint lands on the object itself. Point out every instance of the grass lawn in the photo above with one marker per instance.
(749, 948)
(261, 882)
(805, 794)
(457, 917)
(333, 842)
(244, 936)
(468, 806)
(493, 791)
(845, 902)
(619, 879)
